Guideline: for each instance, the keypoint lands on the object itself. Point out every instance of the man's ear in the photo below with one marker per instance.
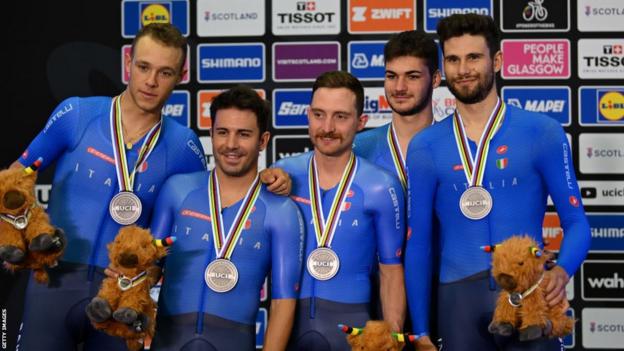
(264, 140)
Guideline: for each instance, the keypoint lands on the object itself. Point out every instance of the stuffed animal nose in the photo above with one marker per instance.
(506, 281)
(128, 260)
(13, 199)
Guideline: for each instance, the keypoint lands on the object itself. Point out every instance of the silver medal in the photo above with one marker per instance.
(124, 283)
(323, 263)
(221, 275)
(21, 222)
(125, 208)
(475, 203)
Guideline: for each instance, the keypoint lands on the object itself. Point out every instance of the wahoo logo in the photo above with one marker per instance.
(603, 280)
(552, 101)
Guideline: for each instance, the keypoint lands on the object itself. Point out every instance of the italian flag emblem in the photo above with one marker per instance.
(501, 163)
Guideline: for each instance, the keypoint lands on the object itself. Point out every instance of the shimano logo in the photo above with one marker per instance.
(292, 109)
(607, 232)
(233, 62)
(445, 12)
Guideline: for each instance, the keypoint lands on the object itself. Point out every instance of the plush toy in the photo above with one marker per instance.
(518, 267)
(375, 336)
(27, 239)
(123, 306)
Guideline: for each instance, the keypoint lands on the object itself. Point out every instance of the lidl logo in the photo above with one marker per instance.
(177, 107)
(290, 108)
(228, 63)
(366, 59)
(139, 13)
(601, 106)
(553, 101)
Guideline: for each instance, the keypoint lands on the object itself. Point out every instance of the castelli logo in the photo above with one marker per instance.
(574, 201)
(501, 149)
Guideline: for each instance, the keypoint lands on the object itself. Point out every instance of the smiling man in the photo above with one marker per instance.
(354, 217)
(231, 233)
(484, 174)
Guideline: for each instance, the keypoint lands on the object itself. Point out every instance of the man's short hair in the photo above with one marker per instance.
(459, 24)
(164, 33)
(342, 79)
(413, 43)
(242, 98)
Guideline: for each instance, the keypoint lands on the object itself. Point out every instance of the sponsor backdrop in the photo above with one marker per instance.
(564, 58)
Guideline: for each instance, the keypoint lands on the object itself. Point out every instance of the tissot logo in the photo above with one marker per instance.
(306, 17)
(602, 280)
(601, 58)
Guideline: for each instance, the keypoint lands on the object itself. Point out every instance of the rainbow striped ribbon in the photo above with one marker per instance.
(474, 169)
(325, 229)
(397, 156)
(125, 178)
(224, 245)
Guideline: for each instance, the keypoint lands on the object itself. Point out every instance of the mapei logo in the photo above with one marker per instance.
(603, 280)
(373, 16)
(290, 108)
(177, 107)
(553, 101)
(601, 106)
(306, 17)
(435, 10)
(228, 63)
(366, 59)
(138, 13)
(536, 59)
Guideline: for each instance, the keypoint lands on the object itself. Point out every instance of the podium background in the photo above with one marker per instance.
(58, 49)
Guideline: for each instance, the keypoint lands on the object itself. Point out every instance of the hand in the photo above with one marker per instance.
(556, 280)
(277, 181)
(424, 344)
(109, 272)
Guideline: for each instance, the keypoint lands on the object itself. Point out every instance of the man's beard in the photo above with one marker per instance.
(417, 108)
(478, 95)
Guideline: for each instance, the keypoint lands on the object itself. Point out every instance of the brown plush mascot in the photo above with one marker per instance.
(375, 336)
(518, 267)
(123, 306)
(27, 239)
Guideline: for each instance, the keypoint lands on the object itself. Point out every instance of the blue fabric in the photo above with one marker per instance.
(537, 162)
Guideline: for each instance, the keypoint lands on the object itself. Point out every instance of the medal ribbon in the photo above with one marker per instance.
(474, 169)
(397, 156)
(323, 229)
(224, 245)
(125, 178)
